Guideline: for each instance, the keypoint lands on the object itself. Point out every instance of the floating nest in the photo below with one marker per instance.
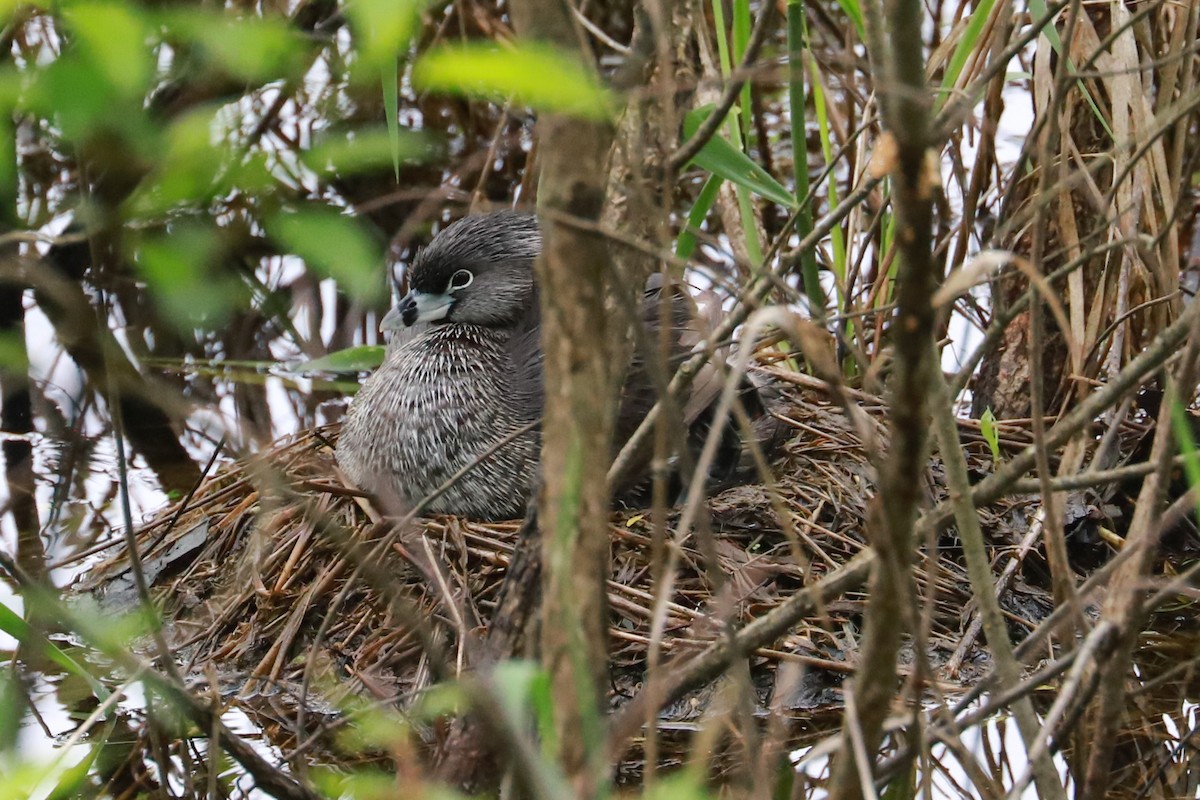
(269, 577)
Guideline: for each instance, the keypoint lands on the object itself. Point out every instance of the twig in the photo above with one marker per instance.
(1091, 478)
(688, 150)
(710, 663)
(862, 761)
(1162, 348)
(982, 585)
(758, 289)
(976, 625)
(1061, 580)
(598, 32)
(905, 110)
(1099, 640)
(187, 500)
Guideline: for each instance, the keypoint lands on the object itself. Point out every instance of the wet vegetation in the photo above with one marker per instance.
(963, 273)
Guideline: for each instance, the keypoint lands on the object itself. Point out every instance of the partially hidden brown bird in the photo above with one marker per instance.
(461, 384)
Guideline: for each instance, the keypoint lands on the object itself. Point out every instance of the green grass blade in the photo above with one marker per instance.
(1037, 10)
(685, 245)
(745, 206)
(854, 11)
(837, 236)
(720, 157)
(352, 359)
(1181, 426)
(796, 40)
(391, 109)
(741, 40)
(966, 45)
(16, 627)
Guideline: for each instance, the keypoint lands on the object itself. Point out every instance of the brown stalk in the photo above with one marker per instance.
(715, 659)
(580, 381)
(905, 113)
(1061, 576)
(983, 587)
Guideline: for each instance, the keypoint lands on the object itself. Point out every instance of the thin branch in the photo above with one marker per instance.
(712, 662)
(979, 570)
(267, 776)
(688, 150)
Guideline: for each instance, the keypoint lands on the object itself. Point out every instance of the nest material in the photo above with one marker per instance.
(256, 564)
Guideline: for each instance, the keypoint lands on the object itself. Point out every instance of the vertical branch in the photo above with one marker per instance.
(1056, 547)
(580, 395)
(905, 111)
(982, 581)
(641, 178)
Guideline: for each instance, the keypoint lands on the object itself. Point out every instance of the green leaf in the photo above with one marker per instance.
(384, 28)
(8, 166)
(1038, 10)
(797, 41)
(853, 10)
(251, 48)
(990, 433)
(1182, 427)
(197, 162)
(14, 355)
(71, 778)
(368, 149)
(442, 699)
(188, 168)
(685, 245)
(12, 86)
(16, 627)
(721, 158)
(371, 783)
(179, 267)
(14, 704)
(517, 683)
(391, 110)
(115, 41)
(740, 40)
(334, 245)
(8, 7)
(902, 786)
(685, 784)
(20, 779)
(364, 783)
(352, 359)
(75, 95)
(373, 729)
(967, 42)
(532, 75)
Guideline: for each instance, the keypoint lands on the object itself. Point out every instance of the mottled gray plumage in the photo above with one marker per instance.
(463, 382)
(464, 373)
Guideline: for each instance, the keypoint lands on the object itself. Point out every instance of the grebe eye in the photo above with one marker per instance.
(461, 279)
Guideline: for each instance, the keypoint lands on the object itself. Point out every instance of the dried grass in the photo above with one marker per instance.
(250, 568)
